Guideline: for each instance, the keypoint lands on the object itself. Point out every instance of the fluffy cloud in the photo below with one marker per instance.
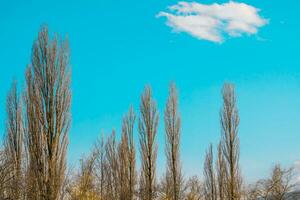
(213, 22)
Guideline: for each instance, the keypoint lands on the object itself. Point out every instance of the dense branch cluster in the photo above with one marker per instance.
(33, 156)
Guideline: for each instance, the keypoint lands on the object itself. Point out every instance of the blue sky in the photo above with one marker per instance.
(117, 47)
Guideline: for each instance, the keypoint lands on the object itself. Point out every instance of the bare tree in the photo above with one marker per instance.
(282, 179)
(209, 176)
(128, 155)
(141, 186)
(47, 101)
(172, 129)
(194, 189)
(112, 169)
(14, 141)
(165, 188)
(123, 172)
(221, 172)
(6, 175)
(230, 142)
(84, 184)
(277, 187)
(100, 166)
(148, 123)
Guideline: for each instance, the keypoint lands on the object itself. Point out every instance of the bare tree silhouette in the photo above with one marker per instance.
(127, 157)
(221, 173)
(172, 129)
(47, 100)
(277, 187)
(112, 169)
(14, 142)
(148, 123)
(210, 190)
(230, 142)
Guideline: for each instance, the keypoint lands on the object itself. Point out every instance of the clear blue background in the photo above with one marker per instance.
(119, 46)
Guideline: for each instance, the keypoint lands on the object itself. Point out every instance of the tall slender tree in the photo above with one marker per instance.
(123, 172)
(6, 175)
(221, 172)
(148, 123)
(47, 101)
(230, 142)
(112, 169)
(209, 176)
(172, 128)
(14, 141)
(100, 166)
(127, 135)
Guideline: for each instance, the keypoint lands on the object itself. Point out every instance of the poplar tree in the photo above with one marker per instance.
(148, 123)
(230, 142)
(172, 129)
(47, 117)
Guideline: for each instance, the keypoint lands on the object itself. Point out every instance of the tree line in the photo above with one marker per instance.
(33, 155)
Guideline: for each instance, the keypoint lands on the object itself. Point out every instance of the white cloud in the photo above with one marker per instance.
(212, 22)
